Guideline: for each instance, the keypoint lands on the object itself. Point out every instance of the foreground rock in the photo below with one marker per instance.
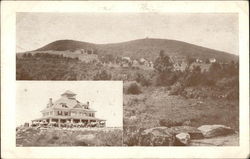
(158, 136)
(230, 140)
(183, 138)
(192, 131)
(209, 131)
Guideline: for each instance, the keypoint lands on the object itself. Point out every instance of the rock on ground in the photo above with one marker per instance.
(158, 136)
(215, 130)
(183, 138)
(230, 140)
(192, 131)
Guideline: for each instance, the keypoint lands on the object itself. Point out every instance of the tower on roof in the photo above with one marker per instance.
(68, 94)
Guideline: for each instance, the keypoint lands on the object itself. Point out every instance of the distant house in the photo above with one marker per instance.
(126, 59)
(83, 51)
(212, 60)
(198, 60)
(68, 109)
(142, 60)
(151, 64)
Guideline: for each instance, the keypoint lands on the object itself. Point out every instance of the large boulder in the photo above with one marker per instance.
(192, 131)
(229, 140)
(183, 138)
(215, 130)
(158, 136)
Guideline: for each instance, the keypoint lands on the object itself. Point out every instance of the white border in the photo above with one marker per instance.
(8, 10)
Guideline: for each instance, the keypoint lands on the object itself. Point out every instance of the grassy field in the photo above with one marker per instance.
(73, 137)
(154, 104)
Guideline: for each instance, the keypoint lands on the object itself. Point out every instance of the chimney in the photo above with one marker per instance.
(50, 102)
(87, 104)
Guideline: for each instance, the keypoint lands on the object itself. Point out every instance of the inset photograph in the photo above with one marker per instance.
(69, 113)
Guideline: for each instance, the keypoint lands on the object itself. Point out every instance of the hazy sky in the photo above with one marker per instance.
(217, 31)
(104, 97)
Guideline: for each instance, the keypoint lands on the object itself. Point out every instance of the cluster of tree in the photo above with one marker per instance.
(193, 77)
(224, 76)
(107, 58)
(53, 67)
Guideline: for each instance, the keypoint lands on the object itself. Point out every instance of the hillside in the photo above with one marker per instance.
(147, 48)
(62, 45)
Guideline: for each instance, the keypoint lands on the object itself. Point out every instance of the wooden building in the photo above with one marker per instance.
(68, 110)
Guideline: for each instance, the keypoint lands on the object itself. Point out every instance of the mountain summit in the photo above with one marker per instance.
(147, 48)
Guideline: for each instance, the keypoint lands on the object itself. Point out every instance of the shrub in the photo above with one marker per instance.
(103, 75)
(142, 80)
(80, 143)
(169, 122)
(133, 89)
(228, 83)
(164, 79)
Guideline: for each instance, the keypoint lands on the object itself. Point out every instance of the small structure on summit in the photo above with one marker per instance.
(67, 110)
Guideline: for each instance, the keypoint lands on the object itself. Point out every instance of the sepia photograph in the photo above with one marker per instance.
(124, 79)
(180, 70)
(69, 114)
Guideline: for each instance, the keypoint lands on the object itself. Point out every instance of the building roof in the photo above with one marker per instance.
(68, 92)
(71, 103)
(67, 102)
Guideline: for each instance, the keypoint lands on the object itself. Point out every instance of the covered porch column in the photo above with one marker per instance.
(59, 122)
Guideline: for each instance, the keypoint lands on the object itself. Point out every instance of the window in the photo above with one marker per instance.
(66, 113)
(51, 113)
(73, 113)
(59, 112)
(64, 105)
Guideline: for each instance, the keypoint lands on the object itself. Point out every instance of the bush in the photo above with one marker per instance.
(169, 122)
(228, 83)
(143, 80)
(164, 79)
(133, 89)
(103, 75)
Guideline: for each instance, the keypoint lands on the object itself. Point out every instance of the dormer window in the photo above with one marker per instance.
(64, 105)
(86, 107)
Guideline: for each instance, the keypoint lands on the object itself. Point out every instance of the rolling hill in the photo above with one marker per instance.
(147, 48)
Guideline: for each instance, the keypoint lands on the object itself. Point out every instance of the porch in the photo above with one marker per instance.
(69, 122)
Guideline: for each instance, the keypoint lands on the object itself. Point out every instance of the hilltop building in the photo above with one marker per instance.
(212, 60)
(68, 109)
